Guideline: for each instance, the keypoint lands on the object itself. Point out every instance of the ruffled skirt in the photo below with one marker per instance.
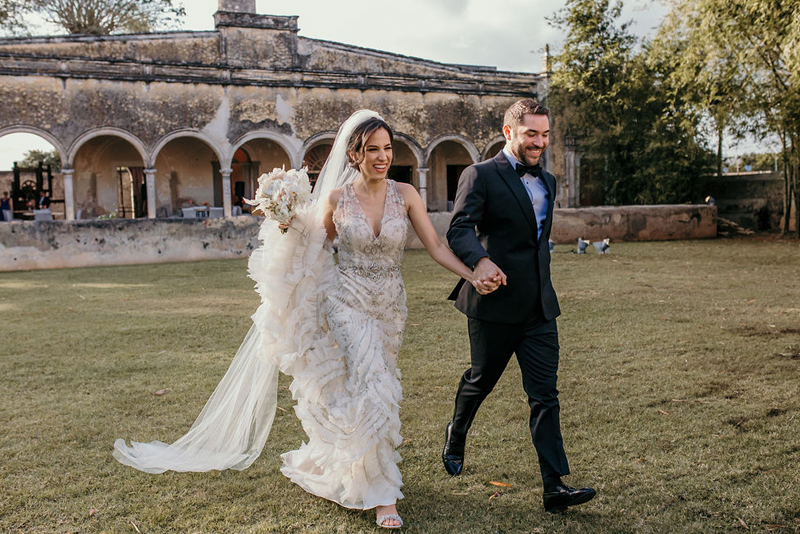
(346, 385)
(348, 393)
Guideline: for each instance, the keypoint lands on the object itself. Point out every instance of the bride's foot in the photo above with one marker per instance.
(387, 517)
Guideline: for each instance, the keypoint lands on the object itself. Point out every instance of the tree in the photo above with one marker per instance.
(757, 161)
(754, 47)
(616, 99)
(32, 158)
(699, 84)
(10, 15)
(93, 17)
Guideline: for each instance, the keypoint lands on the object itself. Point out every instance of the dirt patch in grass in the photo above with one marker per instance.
(765, 330)
(792, 354)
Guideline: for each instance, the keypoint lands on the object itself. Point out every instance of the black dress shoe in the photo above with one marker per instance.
(563, 496)
(453, 453)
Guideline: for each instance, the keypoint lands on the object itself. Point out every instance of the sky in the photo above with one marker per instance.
(507, 34)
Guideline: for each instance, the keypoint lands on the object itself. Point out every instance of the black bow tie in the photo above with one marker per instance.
(533, 170)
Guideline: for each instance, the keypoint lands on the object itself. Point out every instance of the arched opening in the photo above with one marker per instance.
(404, 164)
(494, 149)
(252, 159)
(109, 179)
(315, 158)
(30, 172)
(448, 160)
(187, 175)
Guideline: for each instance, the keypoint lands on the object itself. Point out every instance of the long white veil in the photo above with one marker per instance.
(290, 270)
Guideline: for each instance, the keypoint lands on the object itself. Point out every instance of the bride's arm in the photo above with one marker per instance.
(327, 212)
(427, 234)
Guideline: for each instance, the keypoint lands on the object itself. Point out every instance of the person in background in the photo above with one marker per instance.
(44, 201)
(6, 213)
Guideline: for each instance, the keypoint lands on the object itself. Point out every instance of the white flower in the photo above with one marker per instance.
(280, 193)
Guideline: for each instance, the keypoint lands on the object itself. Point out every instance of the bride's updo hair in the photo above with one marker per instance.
(358, 140)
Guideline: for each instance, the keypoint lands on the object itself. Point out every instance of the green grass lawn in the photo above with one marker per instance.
(679, 380)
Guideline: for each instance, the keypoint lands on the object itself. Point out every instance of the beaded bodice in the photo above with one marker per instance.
(359, 248)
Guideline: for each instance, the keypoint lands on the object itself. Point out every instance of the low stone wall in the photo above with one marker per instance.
(620, 223)
(635, 223)
(753, 200)
(51, 245)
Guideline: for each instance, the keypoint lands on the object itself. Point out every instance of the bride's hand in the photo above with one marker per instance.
(484, 287)
(283, 227)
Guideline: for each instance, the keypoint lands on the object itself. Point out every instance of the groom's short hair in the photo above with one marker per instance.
(520, 108)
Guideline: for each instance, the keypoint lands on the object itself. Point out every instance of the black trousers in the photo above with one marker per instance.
(536, 345)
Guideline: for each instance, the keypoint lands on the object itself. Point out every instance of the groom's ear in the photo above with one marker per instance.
(507, 132)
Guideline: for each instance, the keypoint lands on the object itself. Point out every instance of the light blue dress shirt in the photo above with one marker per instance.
(536, 191)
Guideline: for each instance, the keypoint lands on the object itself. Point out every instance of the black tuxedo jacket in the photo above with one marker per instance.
(493, 217)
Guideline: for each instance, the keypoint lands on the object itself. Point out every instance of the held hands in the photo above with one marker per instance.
(487, 276)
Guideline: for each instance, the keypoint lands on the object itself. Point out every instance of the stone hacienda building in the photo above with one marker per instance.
(159, 121)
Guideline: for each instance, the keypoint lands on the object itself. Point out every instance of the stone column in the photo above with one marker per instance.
(572, 170)
(423, 185)
(226, 191)
(69, 194)
(150, 181)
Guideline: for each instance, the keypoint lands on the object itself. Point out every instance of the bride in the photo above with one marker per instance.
(336, 328)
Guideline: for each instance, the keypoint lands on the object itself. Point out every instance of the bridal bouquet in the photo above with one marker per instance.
(280, 193)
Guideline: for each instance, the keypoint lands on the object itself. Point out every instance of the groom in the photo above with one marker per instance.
(501, 228)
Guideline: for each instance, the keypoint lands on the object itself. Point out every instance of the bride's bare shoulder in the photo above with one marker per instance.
(408, 191)
(332, 198)
(405, 188)
(334, 195)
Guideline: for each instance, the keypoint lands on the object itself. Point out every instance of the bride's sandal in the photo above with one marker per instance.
(386, 517)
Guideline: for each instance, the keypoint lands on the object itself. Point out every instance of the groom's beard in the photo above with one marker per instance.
(518, 151)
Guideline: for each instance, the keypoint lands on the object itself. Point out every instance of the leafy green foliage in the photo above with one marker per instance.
(631, 124)
(757, 161)
(33, 157)
(93, 17)
(741, 59)
(11, 15)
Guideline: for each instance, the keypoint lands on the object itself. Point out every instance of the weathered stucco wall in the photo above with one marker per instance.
(753, 200)
(149, 111)
(171, 47)
(53, 245)
(70, 108)
(253, 73)
(635, 223)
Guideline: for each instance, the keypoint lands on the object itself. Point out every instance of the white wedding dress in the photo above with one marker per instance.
(348, 399)
(337, 330)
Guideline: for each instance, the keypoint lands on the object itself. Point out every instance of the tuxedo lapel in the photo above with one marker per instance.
(513, 181)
